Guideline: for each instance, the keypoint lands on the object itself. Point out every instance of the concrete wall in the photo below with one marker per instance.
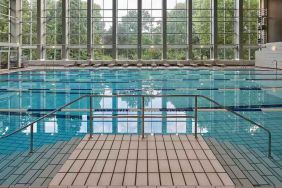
(267, 56)
(274, 20)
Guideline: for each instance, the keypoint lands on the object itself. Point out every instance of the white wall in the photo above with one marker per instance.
(266, 56)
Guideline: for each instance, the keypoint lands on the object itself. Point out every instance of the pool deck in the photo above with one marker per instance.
(58, 68)
(128, 160)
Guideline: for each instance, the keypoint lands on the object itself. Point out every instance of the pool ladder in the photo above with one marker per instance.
(143, 115)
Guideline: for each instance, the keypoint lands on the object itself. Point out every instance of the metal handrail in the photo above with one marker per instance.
(276, 64)
(142, 115)
(246, 119)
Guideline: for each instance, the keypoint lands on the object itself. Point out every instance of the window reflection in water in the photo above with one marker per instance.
(51, 126)
(28, 129)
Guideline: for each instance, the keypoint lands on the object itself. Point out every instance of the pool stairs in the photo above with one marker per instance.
(38, 168)
(247, 167)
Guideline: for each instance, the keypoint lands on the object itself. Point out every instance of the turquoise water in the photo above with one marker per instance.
(255, 93)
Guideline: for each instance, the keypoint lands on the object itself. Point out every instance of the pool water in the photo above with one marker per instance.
(255, 93)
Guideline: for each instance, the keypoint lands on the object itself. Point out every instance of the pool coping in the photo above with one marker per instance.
(49, 68)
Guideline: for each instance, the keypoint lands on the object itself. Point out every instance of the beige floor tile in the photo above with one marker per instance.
(83, 154)
(186, 145)
(123, 154)
(105, 179)
(171, 154)
(76, 166)
(107, 144)
(98, 166)
(131, 166)
(178, 145)
(113, 154)
(142, 145)
(103, 137)
(68, 179)
(117, 179)
(132, 154)
(154, 179)
(129, 179)
(98, 145)
(169, 146)
(181, 154)
(125, 144)
(166, 179)
(161, 154)
(174, 166)
(153, 166)
(196, 166)
(160, 145)
(141, 179)
(142, 154)
(152, 145)
(116, 144)
(202, 179)
(67, 165)
(152, 154)
(111, 137)
(200, 154)
(80, 179)
(142, 166)
(225, 179)
(103, 154)
(129, 160)
(207, 166)
(217, 166)
(82, 144)
(204, 145)
(191, 154)
(120, 166)
(57, 179)
(190, 179)
(87, 166)
(178, 179)
(133, 145)
(93, 179)
(214, 179)
(109, 166)
(210, 154)
(185, 166)
(119, 137)
(89, 145)
(164, 166)
(93, 154)
(75, 154)
(195, 145)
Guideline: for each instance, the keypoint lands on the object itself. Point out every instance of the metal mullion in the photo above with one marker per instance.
(9, 36)
(139, 30)
(164, 30)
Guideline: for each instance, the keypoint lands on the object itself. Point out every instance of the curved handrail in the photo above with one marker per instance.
(246, 119)
(124, 95)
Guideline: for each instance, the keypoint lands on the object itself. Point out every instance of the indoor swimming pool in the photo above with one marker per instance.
(254, 93)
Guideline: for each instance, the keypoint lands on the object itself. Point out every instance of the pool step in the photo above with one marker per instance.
(38, 168)
(246, 167)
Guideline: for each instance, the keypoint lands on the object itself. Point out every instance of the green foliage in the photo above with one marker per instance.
(127, 30)
(4, 21)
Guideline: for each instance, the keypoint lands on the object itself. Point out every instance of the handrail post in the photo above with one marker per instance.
(90, 117)
(143, 117)
(31, 139)
(269, 145)
(196, 117)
